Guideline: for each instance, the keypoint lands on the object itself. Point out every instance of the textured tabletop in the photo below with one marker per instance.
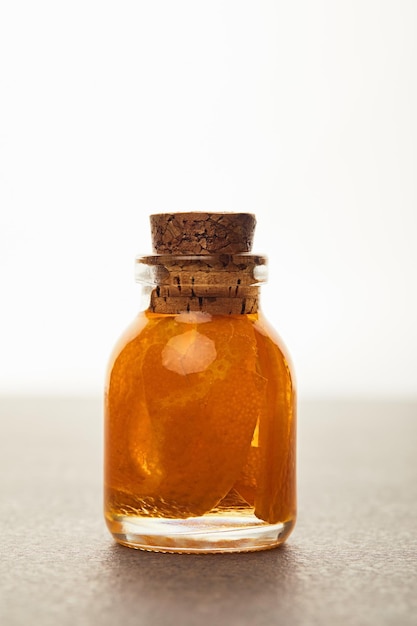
(351, 560)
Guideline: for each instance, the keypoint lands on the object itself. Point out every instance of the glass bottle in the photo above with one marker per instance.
(200, 403)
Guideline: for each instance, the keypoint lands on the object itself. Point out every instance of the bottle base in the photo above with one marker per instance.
(206, 534)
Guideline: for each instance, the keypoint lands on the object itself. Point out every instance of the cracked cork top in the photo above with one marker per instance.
(202, 233)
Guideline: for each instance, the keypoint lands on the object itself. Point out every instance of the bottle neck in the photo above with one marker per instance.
(215, 284)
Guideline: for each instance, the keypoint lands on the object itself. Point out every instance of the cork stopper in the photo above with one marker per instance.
(202, 263)
(202, 233)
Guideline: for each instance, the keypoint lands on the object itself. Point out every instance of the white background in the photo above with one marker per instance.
(303, 112)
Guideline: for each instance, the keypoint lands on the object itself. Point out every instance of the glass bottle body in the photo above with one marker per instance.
(200, 418)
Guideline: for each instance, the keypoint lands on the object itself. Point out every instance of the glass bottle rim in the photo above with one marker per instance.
(151, 269)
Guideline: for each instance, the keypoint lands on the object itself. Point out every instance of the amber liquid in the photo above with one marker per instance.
(200, 431)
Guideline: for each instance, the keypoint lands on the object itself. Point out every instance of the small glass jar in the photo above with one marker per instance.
(200, 403)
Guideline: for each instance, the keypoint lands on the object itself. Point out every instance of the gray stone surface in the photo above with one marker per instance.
(352, 559)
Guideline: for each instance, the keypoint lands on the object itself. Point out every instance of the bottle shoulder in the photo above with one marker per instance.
(196, 330)
(272, 348)
(131, 332)
(147, 322)
(264, 327)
